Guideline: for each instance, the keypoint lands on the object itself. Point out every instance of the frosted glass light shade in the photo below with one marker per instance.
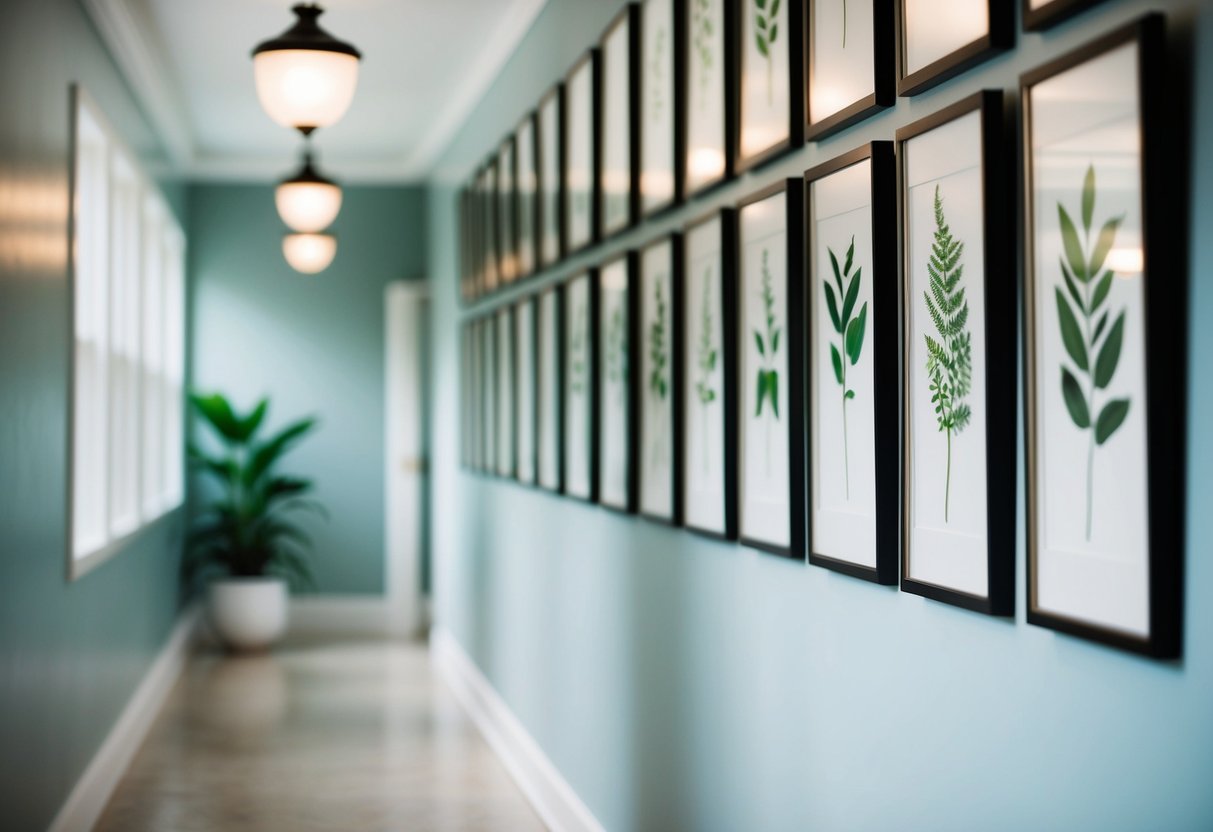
(305, 88)
(309, 253)
(308, 206)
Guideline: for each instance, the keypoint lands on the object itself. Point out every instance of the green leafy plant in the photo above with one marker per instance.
(577, 356)
(616, 349)
(706, 358)
(658, 353)
(655, 74)
(1094, 353)
(247, 529)
(701, 43)
(768, 348)
(851, 332)
(950, 359)
(766, 32)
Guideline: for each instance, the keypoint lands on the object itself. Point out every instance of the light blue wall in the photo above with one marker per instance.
(71, 654)
(678, 683)
(313, 343)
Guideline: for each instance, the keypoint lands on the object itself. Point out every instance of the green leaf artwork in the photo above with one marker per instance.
(950, 359)
(766, 33)
(768, 347)
(616, 350)
(655, 74)
(577, 356)
(706, 356)
(1083, 326)
(659, 379)
(701, 43)
(850, 329)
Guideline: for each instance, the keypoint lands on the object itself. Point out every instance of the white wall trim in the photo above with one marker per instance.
(92, 791)
(554, 800)
(339, 614)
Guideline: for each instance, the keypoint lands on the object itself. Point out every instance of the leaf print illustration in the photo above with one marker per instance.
(768, 348)
(577, 352)
(655, 75)
(701, 42)
(1093, 346)
(851, 331)
(616, 351)
(950, 359)
(766, 32)
(659, 378)
(706, 355)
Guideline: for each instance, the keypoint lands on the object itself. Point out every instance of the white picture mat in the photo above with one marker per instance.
(613, 387)
(843, 503)
(548, 409)
(505, 212)
(528, 183)
(840, 74)
(705, 159)
(935, 29)
(657, 424)
(616, 184)
(657, 103)
(579, 167)
(1088, 115)
(765, 489)
(505, 392)
(549, 175)
(765, 93)
(524, 353)
(951, 554)
(703, 443)
(577, 391)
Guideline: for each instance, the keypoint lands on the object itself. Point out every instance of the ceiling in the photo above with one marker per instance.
(425, 65)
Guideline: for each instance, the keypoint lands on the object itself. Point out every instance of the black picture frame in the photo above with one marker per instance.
(628, 16)
(1052, 13)
(884, 95)
(731, 93)
(557, 292)
(678, 109)
(999, 37)
(794, 237)
(1165, 335)
(632, 384)
(998, 194)
(543, 261)
(592, 416)
(796, 87)
(886, 345)
(569, 246)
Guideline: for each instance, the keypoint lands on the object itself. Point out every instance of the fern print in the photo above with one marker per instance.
(577, 352)
(766, 32)
(701, 44)
(950, 359)
(658, 355)
(1094, 353)
(768, 348)
(706, 355)
(850, 331)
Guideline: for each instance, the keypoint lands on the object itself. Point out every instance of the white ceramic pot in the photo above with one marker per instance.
(248, 613)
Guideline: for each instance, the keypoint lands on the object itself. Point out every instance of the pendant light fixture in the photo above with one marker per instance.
(308, 201)
(305, 76)
(309, 253)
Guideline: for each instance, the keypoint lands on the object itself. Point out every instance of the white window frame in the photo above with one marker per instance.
(111, 266)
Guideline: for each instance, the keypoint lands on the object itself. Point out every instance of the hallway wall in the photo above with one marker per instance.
(313, 343)
(71, 653)
(684, 684)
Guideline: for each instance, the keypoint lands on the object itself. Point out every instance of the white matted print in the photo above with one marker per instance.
(657, 105)
(549, 167)
(615, 186)
(524, 373)
(528, 194)
(488, 202)
(842, 412)
(547, 408)
(507, 239)
(488, 387)
(934, 29)
(765, 85)
(842, 55)
(505, 392)
(579, 154)
(705, 94)
(657, 382)
(614, 387)
(578, 388)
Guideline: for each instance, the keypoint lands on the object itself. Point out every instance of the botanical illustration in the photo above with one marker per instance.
(766, 32)
(950, 359)
(577, 362)
(706, 354)
(656, 97)
(1094, 353)
(659, 358)
(851, 332)
(768, 348)
(616, 351)
(701, 44)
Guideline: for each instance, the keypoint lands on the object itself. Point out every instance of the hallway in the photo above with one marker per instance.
(319, 735)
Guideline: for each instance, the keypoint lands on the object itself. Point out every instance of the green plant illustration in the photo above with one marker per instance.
(577, 356)
(1095, 354)
(616, 350)
(701, 43)
(851, 332)
(706, 356)
(768, 348)
(950, 359)
(659, 383)
(766, 32)
(655, 74)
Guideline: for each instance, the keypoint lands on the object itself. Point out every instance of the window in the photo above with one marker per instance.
(129, 324)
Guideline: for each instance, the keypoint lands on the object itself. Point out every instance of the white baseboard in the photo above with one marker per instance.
(344, 615)
(554, 800)
(92, 791)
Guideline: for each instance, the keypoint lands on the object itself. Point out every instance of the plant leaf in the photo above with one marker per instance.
(837, 274)
(1103, 320)
(848, 304)
(1110, 419)
(850, 257)
(1073, 248)
(218, 413)
(758, 340)
(774, 33)
(1107, 235)
(1109, 354)
(850, 394)
(855, 333)
(836, 359)
(1088, 197)
(1076, 403)
(1072, 288)
(1071, 336)
(832, 306)
(1102, 288)
(264, 456)
(250, 423)
(773, 384)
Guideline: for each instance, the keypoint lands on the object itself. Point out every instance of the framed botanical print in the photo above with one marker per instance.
(1104, 399)
(507, 228)
(958, 277)
(851, 55)
(465, 395)
(617, 387)
(770, 92)
(506, 424)
(525, 390)
(527, 186)
(581, 153)
(708, 100)
(659, 119)
(618, 141)
(549, 364)
(580, 367)
(1041, 14)
(709, 378)
(771, 436)
(660, 345)
(488, 395)
(550, 141)
(940, 39)
(488, 213)
(853, 402)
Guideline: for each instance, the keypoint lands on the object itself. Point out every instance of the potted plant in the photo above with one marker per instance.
(245, 544)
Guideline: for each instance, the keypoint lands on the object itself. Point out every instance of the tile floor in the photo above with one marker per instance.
(319, 735)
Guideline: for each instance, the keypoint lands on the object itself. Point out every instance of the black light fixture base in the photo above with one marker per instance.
(306, 34)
